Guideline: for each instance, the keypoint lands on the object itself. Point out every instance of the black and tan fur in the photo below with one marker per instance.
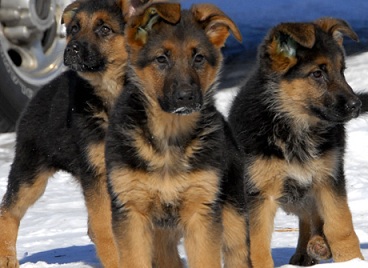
(173, 167)
(63, 127)
(289, 119)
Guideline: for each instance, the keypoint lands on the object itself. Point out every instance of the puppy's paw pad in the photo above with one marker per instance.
(318, 248)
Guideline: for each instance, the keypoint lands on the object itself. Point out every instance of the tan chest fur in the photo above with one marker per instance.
(269, 175)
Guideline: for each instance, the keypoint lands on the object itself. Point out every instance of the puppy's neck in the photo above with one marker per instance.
(168, 128)
(107, 85)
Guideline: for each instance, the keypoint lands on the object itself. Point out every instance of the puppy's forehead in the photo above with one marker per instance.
(90, 19)
(330, 53)
(336, 61)
(176, 45)
(106, 17)
(326, 51)
(186, 34)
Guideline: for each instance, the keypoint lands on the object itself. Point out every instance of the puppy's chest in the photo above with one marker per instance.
(292, 181)
(298, 147)
(165, 214)
(300, 178)
(294, 184)
(170, 179)
(167, 157)
(169, 198)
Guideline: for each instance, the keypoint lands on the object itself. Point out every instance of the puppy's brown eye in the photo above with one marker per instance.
(198, 58)
(317, 74)
(105, 30)
(74, 29)
(162, 59)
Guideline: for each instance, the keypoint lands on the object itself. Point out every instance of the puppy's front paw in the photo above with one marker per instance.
(9, 262)
(302, 259)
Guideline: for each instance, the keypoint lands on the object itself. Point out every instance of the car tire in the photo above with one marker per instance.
(14, 93)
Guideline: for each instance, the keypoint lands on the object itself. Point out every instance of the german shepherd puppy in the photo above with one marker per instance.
(63, 127)
(172, 164)
(289, 119)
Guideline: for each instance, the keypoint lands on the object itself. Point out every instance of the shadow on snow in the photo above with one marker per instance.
(85, 254)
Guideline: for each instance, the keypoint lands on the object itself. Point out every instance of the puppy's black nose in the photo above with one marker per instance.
(353, 105)
(186, 99)
(73, 48)
(184, 95)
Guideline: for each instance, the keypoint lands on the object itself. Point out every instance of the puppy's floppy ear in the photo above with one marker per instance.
(337, 28)
(130, 7)
(283, 40)
(140, 25)
(69, 12)
(215, 23)
(301, 33)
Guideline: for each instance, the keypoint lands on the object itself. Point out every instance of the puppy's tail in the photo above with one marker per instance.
(363, 96)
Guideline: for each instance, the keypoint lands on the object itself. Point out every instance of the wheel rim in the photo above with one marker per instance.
(32, 51)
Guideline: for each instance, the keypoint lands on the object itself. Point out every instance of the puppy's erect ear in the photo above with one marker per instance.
(141, 24)
(337, 28)
(69, 12)
(283, 40)
(215, 23)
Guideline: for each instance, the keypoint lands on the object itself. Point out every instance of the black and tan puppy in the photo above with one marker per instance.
(63, 127)
(289, 118)
(172, 164)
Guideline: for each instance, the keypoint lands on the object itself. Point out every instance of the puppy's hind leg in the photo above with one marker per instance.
(166, 249)
(301, 256)
(26, 183)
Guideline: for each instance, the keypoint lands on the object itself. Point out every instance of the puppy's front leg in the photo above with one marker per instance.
(338, 224)
(134, 236)
(261, 218)
(202, 241)
(201, 219)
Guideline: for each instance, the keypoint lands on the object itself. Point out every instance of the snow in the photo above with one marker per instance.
(53, 233)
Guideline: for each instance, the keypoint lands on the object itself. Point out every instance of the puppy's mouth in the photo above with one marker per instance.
(174, 108)
(79, 65)
(334, 116)
(187, 110)
(178, 108)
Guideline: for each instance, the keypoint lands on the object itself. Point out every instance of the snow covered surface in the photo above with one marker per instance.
(53, 233)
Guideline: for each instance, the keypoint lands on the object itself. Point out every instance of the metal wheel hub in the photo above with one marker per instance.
(32, 40)
(24, 19)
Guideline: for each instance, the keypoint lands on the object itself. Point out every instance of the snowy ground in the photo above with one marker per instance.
(54, 231)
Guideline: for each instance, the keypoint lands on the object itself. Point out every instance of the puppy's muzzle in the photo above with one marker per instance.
(83, 57)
